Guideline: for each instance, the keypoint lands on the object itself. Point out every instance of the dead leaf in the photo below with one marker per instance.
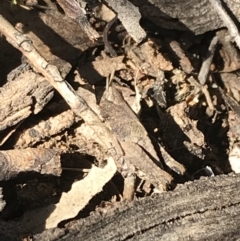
(81, 193)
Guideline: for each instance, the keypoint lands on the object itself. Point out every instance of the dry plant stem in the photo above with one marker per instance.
(84, 170)
(204, 71)
(4, 137)
(208, 97)
(204, 90)
(232, 28)
(52, 74)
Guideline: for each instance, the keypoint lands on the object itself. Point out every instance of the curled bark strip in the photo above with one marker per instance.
(108, 47)
(44, 161)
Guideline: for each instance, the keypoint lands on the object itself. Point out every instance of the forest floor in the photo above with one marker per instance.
(149, 119)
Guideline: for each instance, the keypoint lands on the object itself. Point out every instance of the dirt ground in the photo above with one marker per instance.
(147, 123)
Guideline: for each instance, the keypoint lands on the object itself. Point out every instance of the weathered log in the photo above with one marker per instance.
(197, 16)
(207, 209)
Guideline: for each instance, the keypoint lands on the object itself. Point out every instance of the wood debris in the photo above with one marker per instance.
(130, 16)
(43, 161)
(98, 107)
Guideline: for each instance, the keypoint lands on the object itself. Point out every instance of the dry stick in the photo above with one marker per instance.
(232, 28)
(108, 47)
(204, 71)
(84, 170)
(52, 74)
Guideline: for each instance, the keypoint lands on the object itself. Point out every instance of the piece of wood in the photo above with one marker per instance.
(16, 102)
(44, 161)
(53, 75)
(207, 209)
(37, 128)
(196, 16)
(130, 16)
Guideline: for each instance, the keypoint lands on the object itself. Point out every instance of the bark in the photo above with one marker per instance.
(19, 98)
(205, 209)
(197, 16)
(44, 161)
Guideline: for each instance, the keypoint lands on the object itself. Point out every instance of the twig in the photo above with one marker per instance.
(204, 90)
(232, 28)
(108, 46)
(52, 74)
(84, 170)
(129, 187)
(204, 71)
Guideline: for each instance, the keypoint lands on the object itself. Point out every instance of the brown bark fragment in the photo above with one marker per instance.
(130, 16)
(96, 70)
(44, 161)
(29, 91)
(37, 130)
(183, 59)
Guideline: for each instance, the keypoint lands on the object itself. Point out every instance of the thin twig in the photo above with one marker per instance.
(204, 71)
(204, 90)
(84, 170)
(108, 47)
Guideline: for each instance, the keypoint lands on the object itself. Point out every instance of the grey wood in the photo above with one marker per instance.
(196, 16)
(208, 209)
